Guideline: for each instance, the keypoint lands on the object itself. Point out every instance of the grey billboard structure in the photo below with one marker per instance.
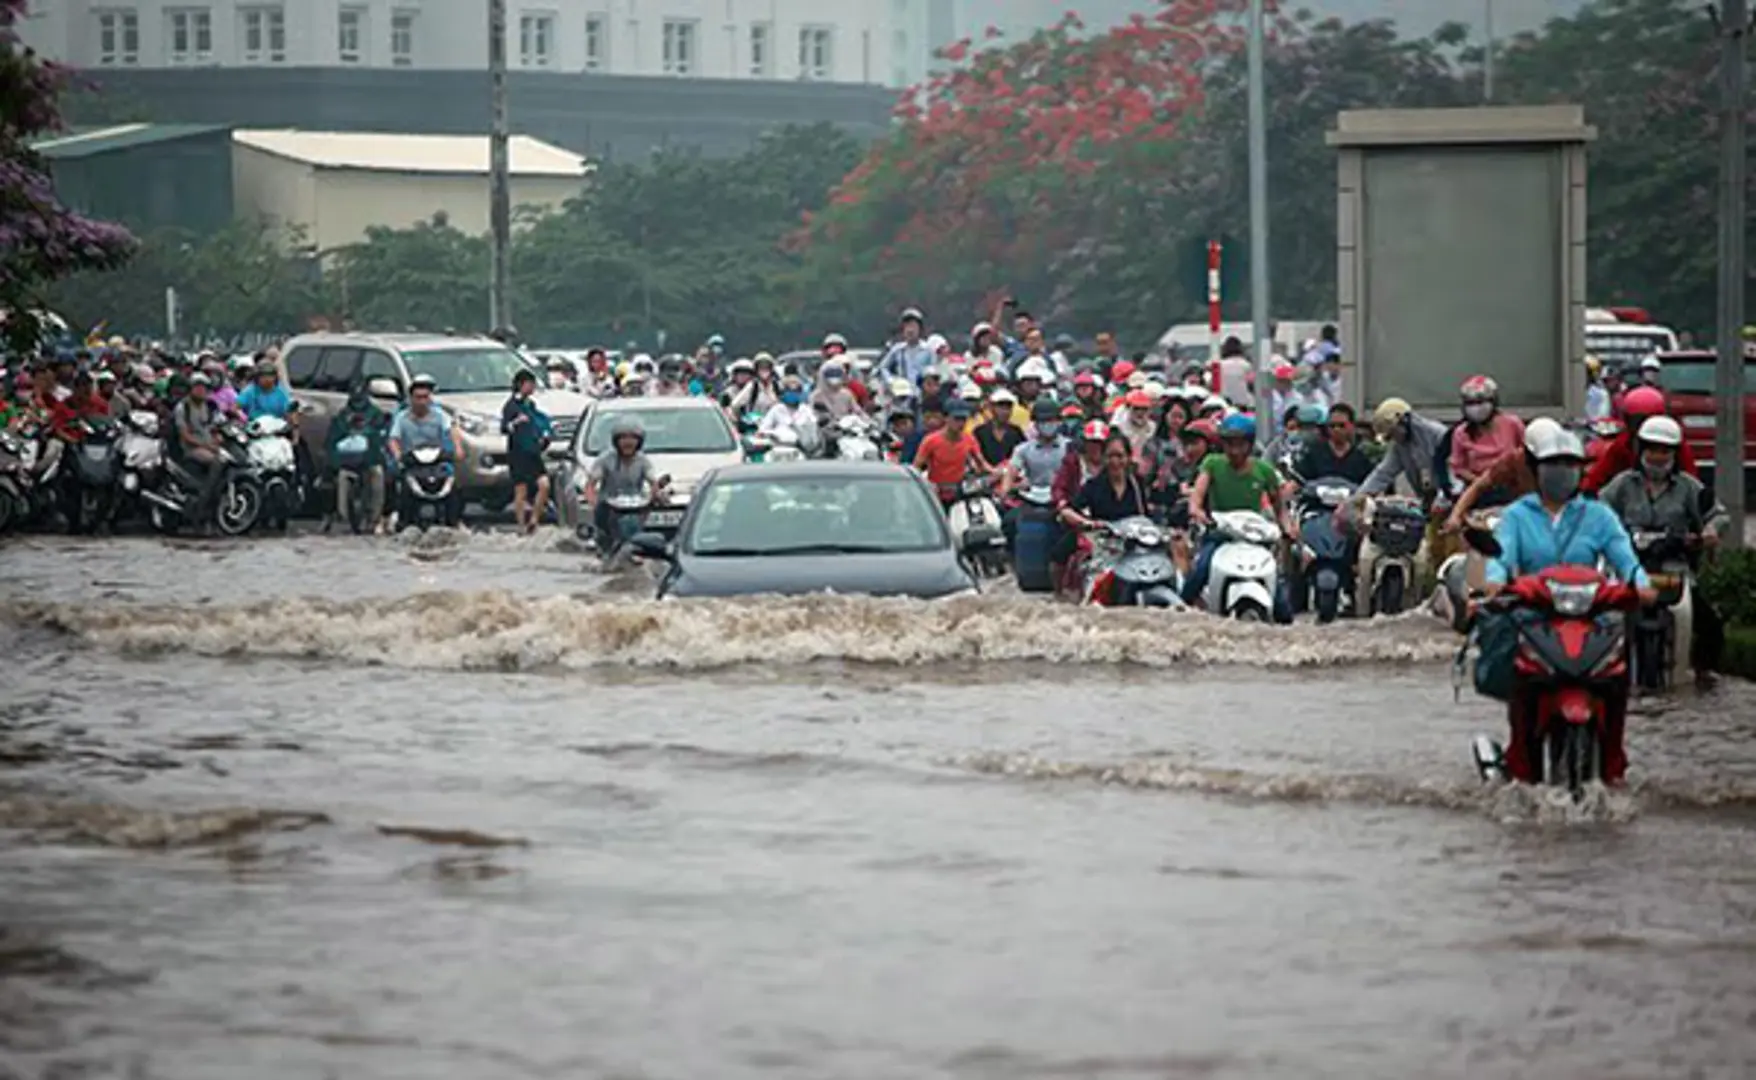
(1461, 249)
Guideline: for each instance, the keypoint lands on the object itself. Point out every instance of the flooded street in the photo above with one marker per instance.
(389, 808)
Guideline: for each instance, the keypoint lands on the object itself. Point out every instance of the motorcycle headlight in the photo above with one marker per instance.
(474, 423)
(1572, 600)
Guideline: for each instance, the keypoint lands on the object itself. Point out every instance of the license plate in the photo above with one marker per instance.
(664, 519)
(96, 453)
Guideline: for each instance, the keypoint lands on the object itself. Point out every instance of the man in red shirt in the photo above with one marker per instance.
(1640, 405)
(945, 455)
(85, 402)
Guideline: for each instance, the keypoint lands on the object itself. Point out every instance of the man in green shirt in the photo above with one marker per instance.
(1233, 480)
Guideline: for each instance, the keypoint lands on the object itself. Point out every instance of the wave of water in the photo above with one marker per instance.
(1509, 803)
(501, 631)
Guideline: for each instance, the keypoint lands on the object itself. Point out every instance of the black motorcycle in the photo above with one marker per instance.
(94, 476)
(237, 505)
(1328, 555)
(427, 492)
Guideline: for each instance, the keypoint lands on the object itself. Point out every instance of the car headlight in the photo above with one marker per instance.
(474, 423)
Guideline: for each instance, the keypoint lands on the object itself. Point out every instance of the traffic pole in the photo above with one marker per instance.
(1258, 124)
(499, 174)
(1213, 311)
(1733, 24)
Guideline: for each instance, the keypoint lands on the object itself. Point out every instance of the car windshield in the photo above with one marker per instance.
(668, 431)
(472, 370)
(1624, 347)
(1696, 377)
(804, 515)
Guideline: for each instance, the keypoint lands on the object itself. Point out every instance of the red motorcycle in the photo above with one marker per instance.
(1566, 633)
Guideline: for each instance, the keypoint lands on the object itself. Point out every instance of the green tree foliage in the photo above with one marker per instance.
(40, 240)
(241, 280)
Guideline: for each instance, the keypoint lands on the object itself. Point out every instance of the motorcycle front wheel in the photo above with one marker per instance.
(1328, 605)
(1573, 759)
(1390, 592)
(240, 506)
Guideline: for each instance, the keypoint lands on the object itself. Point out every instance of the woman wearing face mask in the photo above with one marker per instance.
(1556, 526)
(1486, 434)
(1658, 496)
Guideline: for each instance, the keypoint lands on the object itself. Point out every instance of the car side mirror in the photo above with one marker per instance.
(651, 545)
(384, 389)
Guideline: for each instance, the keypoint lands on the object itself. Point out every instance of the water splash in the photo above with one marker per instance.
(501, 631)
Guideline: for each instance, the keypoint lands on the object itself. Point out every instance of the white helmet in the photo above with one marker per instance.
(900, 388)
(1538, 432)
(1661, 431)
(1652, 363)
(1033, 369)
(970, 392)
(1552, 443)
(741, 364)
(1212, 401)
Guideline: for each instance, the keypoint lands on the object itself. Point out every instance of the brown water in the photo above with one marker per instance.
(374, 809)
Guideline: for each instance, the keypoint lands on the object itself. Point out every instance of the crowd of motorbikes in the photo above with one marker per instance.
(110, 472)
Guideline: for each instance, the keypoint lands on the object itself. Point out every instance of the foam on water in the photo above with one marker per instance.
(496, 630)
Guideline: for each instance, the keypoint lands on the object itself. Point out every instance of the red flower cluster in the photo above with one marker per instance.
(1004, 156)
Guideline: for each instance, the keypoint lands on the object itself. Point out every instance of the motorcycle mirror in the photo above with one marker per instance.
(383, 388)
(1481, 540)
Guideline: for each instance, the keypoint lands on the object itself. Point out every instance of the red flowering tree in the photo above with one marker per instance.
(40, 240)
(1017, 159)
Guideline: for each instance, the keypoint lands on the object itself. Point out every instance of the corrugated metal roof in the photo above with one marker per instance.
(412, 153)
(86, 143)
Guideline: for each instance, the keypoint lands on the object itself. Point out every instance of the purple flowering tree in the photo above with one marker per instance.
(40, 240)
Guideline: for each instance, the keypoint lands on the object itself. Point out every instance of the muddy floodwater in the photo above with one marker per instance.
(463, 807)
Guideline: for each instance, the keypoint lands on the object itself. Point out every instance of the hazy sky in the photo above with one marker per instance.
(1415, 16)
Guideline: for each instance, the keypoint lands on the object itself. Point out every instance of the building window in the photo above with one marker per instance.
(402, 39)
(761, 51)
(118, 38)
(350, 35)
(679, 51)
(597, 29)
(816, 52)
(264, 34)
(191, 35)
(536, 41)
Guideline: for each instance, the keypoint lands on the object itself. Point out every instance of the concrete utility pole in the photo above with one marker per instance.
(499, 182)
(1259, 300)
(1733, 21)
(1487, 51)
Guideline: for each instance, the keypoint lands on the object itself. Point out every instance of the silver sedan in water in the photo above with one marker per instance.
(686, 437)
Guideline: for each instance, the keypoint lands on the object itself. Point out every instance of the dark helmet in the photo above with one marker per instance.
(1045, 411)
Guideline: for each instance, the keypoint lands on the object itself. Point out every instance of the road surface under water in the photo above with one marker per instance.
(461, 807)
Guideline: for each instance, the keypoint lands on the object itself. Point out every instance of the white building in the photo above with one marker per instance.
(333, 186)
(850, 41)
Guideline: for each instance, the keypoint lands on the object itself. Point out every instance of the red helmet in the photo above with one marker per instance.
(1123, 369)
(1137, 399)
(1071, 411)
(1095, 431)
(1643, 401)
(1085, 378)
(1479, 388)
(1207, 429)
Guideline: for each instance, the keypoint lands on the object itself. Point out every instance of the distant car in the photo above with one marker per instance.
(686, 437)
(1688, 379)
(473, 378)
(866, 528)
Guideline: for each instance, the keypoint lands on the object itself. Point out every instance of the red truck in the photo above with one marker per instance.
(1688, 380)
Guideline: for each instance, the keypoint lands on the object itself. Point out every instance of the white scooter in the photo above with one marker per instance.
(973, 508)
(1245, 572)
(854, 438)
(271, 455)
(782, 445)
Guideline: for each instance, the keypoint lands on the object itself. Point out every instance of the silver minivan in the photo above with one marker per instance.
(473, 377)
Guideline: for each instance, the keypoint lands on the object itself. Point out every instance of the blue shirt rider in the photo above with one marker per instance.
(422, 423)
(265, 396)
(910, 357)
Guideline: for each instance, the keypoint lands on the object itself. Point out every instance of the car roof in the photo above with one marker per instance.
(645, 404)
(396, 341)
(814, 470)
